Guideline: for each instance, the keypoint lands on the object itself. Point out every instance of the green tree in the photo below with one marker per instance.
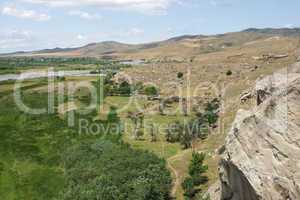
(169, 135)
(153, 132)
(113, 121)
(140, 133)
(125, 88)
(180, 75)
(174, 132)
(186, 140)
(188, 187)
(229, 73)
(108, 171)
(197, 168)
(211, 112)
(112, 116)
(151, 91)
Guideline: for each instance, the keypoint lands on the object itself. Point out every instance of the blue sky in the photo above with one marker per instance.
(39, 24)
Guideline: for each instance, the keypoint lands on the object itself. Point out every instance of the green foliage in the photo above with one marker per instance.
(174, 132)
(185, 132)
(61, 78)
(151, 91)
(188, 187)
(112, 116)
(125, 89)
(229, 73)
(140, 133)
(188, 131)
(114, 121)
(113, 89)
(197, 168)
(139, 87)
(107, 171)
(153, 132)
(17, 64)
(186, 140)
(196, 178)
(211, 112)
(180, 75)
(30, 150)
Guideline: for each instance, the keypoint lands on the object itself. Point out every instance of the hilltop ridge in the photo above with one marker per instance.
(194, 44)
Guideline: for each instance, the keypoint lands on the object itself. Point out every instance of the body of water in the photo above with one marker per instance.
(41, 74)
(132, 62)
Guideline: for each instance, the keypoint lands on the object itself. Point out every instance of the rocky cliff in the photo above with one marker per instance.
(262, 150)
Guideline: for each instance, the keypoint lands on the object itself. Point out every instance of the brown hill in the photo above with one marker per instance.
(178, 48)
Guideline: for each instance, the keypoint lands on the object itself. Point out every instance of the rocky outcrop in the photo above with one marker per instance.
(268, 57)
(261, 160)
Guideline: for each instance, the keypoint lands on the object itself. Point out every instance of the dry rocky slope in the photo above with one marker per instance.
(178, 49)
(261, 158)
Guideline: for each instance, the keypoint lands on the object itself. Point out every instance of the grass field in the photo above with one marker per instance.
(51, 135)
(37, 155)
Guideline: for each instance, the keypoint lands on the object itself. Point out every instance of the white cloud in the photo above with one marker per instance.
(223, 3)
(81, 37)
(11, 39)
(84, 15)
(24, 14)
(150, 6)
(135, 32)
(289, 26)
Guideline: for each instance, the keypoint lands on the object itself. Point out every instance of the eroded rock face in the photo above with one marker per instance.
(262, 155)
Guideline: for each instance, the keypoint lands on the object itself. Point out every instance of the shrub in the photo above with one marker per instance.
(197, 167)
(109, 171)
(140, 133)
(151, 91)
(229, 73)
(196, 178)
(139, 87)
(125, 88)
(188, 187)
(180, 75)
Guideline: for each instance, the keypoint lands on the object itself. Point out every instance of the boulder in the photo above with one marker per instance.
(261, 159)
(245, 96)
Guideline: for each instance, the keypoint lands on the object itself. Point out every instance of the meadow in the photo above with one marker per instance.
(33, 146)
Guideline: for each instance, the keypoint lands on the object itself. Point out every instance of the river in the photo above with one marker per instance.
(44, 74)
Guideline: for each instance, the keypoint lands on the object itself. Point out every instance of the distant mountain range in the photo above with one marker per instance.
(191, 44)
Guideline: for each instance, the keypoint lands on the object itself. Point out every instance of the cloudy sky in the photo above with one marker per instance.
(39, 24)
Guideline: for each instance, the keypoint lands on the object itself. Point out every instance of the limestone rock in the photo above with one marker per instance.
(262, 150)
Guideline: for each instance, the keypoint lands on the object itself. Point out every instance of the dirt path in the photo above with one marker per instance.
(176, 172)
(176, 183)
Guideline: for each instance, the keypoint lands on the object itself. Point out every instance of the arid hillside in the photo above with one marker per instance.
(180, 48)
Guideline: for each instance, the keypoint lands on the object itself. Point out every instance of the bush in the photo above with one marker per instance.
(196, 178)
(199, 180)
(174, 132)
(151, 91)
(180, 75)
(108, 171)
(140, 133)
(188, 187)
(125, 89)
(197, 167)
(229, 73)
(139, 87)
